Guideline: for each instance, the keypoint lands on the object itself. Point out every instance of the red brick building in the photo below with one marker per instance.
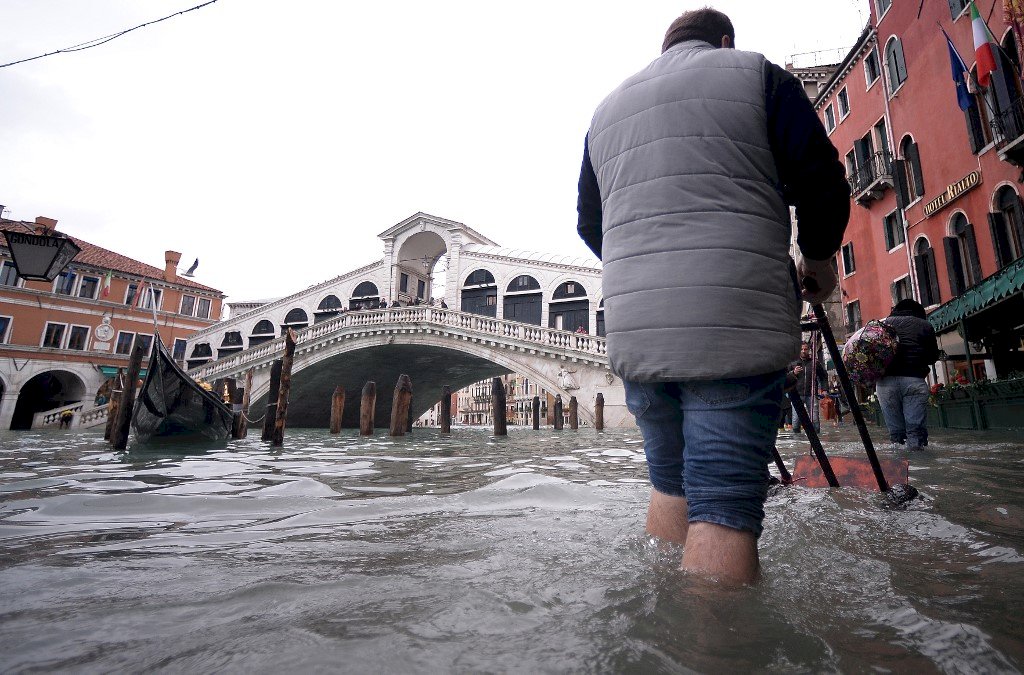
(62, 341)
(937, 212)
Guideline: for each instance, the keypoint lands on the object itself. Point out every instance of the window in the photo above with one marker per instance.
(907, 174)
(203, 308)
(900, 289)
(89, 288)
(962, 261)
(881, 136)
(957, 7)
(492, 300)
(403, 282)
(8, 274)
(830, 118)
(895, 65)
(851, 166)
(151, 297)
(421, 288)
(178, 353)
(843, 102)
(64, 284)
(882, 6)
(129, 296)
(1007, 227)
(147, 343)
(5, 327)
(849, 264)
(927, 277)
(53, 335)
(124, 342)
(871, 68)
(78, 337)
(892, 226)
(188, 305)
(853, 315)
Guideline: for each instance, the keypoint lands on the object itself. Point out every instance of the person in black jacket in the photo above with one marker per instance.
(903, 392)
(808, 388)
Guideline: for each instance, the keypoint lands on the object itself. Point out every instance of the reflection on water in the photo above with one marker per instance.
(481, 554)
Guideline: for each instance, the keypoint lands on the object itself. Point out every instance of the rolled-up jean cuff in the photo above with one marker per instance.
(666, 488)
(740, 507)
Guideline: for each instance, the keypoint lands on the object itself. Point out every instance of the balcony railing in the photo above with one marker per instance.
(871, 178)
(1009, 133)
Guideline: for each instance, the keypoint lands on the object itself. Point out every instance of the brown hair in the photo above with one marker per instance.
(704, 24)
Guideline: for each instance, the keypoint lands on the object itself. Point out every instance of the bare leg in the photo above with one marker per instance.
(667, 517)
(721, 552)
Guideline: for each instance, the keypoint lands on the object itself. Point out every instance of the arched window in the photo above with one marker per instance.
(569, 308)
(365, 296)
(480, 294)
(231, 344)
(909, 177)
(262, 332)
(927, 277)
(328, 308)
(600, 318)
(202, 350)
(523, 300)
(962, 262)
(296, 319)
(895, 65)
(1007, 227)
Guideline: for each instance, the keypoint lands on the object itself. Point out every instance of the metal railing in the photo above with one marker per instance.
(484, 326)
(1009, 123)
(878, 167)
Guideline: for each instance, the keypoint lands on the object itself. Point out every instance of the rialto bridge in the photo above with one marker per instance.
(507, 310)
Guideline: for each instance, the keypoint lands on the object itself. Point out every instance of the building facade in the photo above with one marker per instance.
(937, 212)
(61, 342)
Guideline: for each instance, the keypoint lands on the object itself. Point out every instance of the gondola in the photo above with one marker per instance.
(174, 408)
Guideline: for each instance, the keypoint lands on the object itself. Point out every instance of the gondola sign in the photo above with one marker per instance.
(953, 192)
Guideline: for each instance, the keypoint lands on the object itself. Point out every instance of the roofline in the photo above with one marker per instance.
(846, 64)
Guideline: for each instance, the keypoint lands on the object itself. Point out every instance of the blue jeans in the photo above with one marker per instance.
(809, 403)
(904, 403)
(710, 441)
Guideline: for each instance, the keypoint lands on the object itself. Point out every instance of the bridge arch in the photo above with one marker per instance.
(296, 319)
(569, 306)
(523, 299)
(45, 391)
(479, 292)
(365, 295)
(418, 252)
(262, 331)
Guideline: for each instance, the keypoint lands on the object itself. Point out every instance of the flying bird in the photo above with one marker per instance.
(192, 270)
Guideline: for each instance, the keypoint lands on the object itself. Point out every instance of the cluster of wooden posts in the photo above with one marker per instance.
(275, 420)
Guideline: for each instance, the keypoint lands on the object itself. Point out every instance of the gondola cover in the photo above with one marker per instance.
(175, 407)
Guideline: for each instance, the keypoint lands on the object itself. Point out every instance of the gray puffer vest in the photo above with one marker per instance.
(697, 279)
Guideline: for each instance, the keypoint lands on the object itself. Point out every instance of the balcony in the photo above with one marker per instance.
(871, 178)
(1009, 133)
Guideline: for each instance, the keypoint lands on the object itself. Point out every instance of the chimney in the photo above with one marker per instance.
(43, 223)
(171, 259)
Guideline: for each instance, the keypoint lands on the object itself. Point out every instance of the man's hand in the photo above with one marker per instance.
(817, 280)
(797, 370)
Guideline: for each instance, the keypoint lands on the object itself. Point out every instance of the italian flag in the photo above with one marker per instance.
(984, 47)
(106, 284)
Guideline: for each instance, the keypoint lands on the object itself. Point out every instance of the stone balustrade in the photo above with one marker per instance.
(49, 419)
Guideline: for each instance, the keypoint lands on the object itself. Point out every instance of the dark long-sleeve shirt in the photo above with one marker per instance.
(810, 175)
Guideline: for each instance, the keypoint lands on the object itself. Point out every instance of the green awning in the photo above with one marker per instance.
(1001, 285)
(111, 371)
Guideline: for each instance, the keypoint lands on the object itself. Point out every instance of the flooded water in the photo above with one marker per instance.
(522, 554)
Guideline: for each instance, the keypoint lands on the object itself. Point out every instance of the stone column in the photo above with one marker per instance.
(7, 403)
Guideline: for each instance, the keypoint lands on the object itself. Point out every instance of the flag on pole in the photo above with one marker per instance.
(106, 283)
(984, 47)
(959, 70)
(140, 301)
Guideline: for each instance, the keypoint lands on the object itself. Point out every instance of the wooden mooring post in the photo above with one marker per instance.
(559, 422)
(286, 384)
(367, 408)
(574, 413)
(337, 408)
(536, 413)
(446, 409)
(115, 402)
(599, 412)
(400, 406)
(270, 418)
(498, 409)
(243, 425)
(237, 416)
(123, 423)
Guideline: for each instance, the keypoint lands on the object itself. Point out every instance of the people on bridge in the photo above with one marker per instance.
(903, 392)
(443, 305)
(580, 330)
(396, 303)
(383, 304)
(698, 157)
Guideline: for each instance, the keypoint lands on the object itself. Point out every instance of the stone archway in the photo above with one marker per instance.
(415, 267)
(46, 391)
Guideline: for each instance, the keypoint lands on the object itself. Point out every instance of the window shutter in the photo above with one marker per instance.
(973, 259)
(954, 265)
(975, 133)
(933, 276)
(1005, 84)
(954, 8)
(1000, 242)
(914, 159)
(1018, 223)
(921, 268)
(899, 173)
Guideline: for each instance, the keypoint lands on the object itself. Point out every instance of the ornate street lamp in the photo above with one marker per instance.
(41, 256)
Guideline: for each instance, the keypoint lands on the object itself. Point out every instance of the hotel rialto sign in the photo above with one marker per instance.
(953, 192)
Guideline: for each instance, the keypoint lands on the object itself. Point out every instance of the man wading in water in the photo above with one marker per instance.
(688, 170)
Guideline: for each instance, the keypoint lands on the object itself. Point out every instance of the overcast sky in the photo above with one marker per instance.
(275, 140)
